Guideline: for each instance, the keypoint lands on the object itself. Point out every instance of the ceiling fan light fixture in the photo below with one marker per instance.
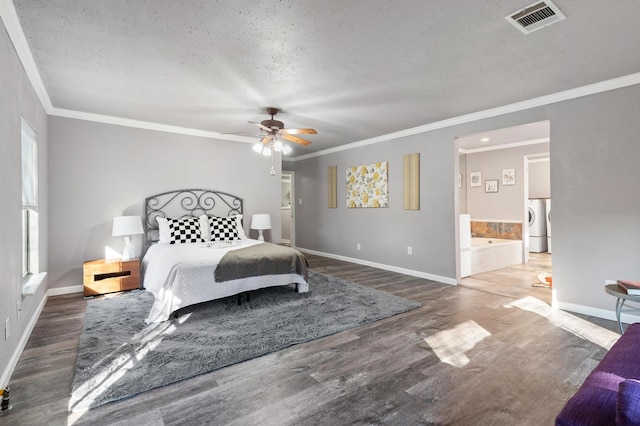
(274, 137)
(257, 147)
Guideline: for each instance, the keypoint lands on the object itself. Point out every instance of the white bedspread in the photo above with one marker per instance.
(180, 275)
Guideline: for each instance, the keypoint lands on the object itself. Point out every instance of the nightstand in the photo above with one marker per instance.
(109, 275)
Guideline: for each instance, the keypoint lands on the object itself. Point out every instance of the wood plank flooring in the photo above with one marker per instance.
(481, 353)
(516, 280)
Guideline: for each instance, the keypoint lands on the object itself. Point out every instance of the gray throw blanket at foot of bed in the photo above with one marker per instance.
(261, 259)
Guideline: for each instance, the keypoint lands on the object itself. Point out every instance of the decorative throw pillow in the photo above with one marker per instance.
(223, 228)
(240, 229)
(186, 230)
(628, 403)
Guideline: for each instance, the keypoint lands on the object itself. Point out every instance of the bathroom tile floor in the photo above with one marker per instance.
(514, 281)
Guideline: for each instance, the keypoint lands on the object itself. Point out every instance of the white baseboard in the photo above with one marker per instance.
(8, 371)
(410, 272)
(625, 318)
(66, 290)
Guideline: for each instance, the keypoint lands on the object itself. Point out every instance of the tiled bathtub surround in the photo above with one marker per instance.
(502, 230)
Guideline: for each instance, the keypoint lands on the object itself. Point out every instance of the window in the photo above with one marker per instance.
(29, 200)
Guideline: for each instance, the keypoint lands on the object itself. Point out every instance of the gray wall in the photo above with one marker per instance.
(509, 202)
(384, 233)
(18, 98)
(594, 157)
(540, 178)
(594, 184)
(99, 171)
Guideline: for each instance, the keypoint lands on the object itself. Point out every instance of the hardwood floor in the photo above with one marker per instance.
(481, 353)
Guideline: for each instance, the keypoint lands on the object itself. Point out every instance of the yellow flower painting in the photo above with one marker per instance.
(367, 186)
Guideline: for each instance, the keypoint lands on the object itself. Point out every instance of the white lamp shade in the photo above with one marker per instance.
(261, 221)
(126, 225)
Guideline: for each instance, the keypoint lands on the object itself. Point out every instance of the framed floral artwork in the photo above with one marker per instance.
(475, 179)
(367, 186)
(491, 185)
(509, 177)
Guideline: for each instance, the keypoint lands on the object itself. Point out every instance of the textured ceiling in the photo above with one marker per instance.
(353, 70)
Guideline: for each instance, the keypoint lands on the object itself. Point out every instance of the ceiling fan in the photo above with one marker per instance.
(271, 131)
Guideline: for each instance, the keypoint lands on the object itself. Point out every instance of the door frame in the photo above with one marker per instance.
(292, 207)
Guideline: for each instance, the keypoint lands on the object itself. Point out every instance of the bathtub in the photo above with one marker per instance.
(488, 254)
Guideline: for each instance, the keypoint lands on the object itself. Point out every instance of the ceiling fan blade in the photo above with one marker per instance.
(265, 128)
(297, 132)
(238, 133)
(296, 139)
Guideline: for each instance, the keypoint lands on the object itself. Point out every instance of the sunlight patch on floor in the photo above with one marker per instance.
(581, 328)
(451, 345)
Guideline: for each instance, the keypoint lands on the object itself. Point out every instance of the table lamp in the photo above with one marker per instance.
(261, 221)
(126, 226)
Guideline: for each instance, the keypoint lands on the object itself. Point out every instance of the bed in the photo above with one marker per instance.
(196, 251)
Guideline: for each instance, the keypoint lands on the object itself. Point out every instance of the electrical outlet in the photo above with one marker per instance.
(6, 329)
(300, 201)
(409, 250)
(358, 246)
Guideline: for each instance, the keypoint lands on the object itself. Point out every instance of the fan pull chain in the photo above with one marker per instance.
(273, 170)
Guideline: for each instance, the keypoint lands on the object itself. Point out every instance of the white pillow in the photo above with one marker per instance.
(163, 230)
(204, 227)
(205, 231)
(241, 233)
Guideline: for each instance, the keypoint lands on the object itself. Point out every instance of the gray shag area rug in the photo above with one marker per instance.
(120, 356)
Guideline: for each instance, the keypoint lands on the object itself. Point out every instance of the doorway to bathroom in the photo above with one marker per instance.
(287, 208)
(498, 170)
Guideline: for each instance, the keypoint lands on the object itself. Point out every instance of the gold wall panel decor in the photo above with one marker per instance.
(367, 186)
(411, 182)
(333, 187)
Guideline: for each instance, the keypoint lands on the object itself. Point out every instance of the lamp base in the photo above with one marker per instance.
(128, 253)
(260, 235)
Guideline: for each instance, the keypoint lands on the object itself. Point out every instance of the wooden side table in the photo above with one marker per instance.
(110, 275)
(622, 296)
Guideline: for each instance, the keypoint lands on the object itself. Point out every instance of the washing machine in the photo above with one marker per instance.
(548, 209)
(537, 226)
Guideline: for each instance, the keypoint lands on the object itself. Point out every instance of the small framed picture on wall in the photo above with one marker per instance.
(475, 179)
(491, 185)
(509, 177)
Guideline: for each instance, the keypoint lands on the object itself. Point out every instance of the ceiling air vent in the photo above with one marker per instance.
(536, 16)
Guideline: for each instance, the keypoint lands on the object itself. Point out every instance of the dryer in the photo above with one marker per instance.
(537, 226)
(548, 216)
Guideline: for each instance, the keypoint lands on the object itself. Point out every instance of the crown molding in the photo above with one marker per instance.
(14, 29)
(590, 89)
(127, 122)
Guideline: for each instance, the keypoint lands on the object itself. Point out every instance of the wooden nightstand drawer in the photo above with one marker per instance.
(107, 276)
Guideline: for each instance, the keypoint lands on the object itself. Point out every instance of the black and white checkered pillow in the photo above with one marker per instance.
(186, 230)
(223, 228)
